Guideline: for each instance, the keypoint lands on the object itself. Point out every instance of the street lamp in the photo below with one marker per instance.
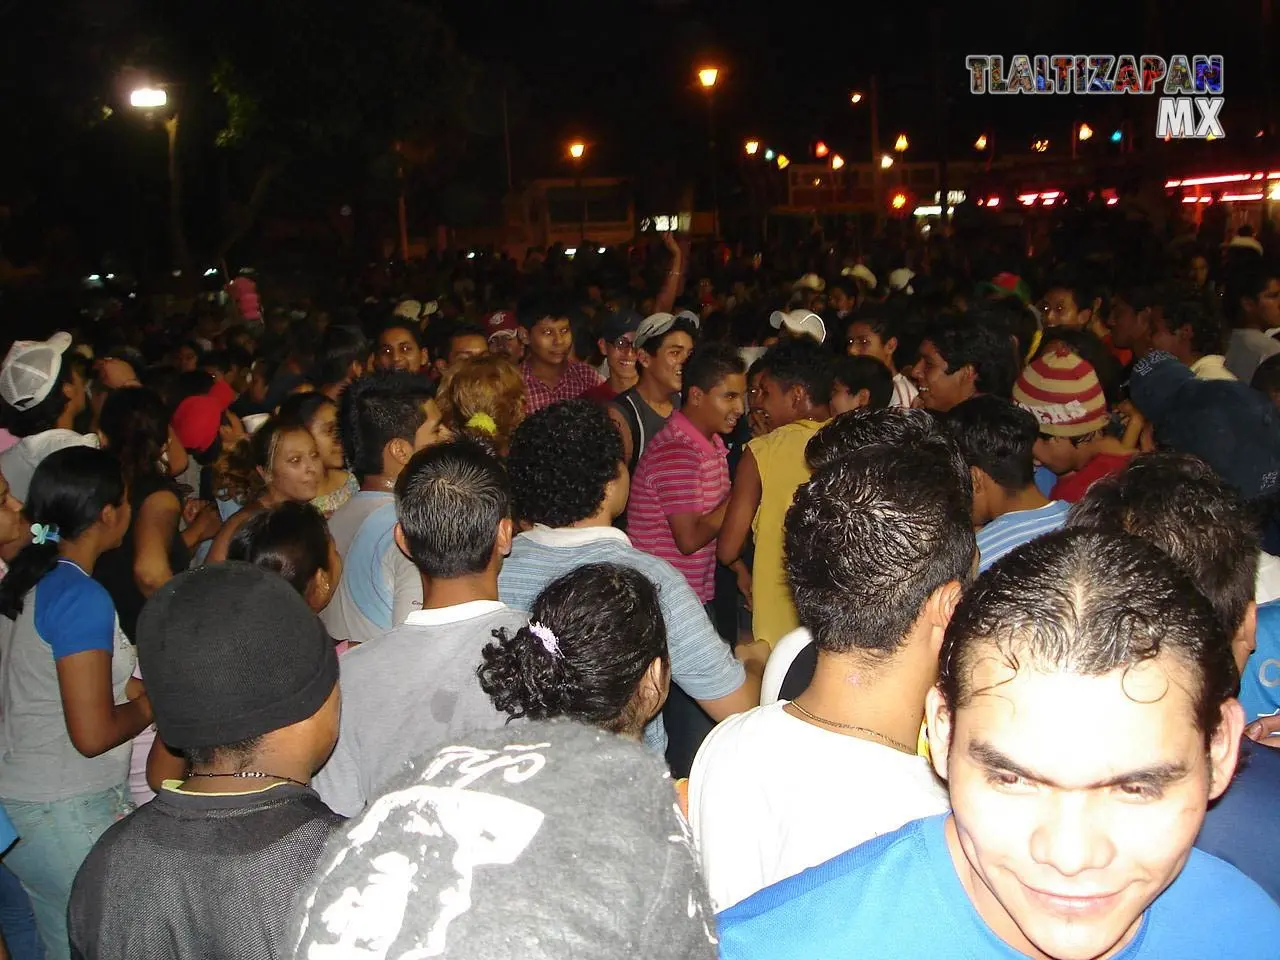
(752, 147)
(855, 98)
(837, 161)
(901, 143)
(148, 98)
(707, 77)
(820, 149)
(981, 142)
(886, 161)
(578, 150)
(783, 161)
(1084, 132)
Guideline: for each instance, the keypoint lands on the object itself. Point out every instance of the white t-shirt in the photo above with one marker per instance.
(771, 795)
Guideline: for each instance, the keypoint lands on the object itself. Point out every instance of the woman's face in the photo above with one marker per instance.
(324, 430)
(10, 514)
(295, 470)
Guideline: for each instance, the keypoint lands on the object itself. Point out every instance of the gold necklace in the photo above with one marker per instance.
(896, 744)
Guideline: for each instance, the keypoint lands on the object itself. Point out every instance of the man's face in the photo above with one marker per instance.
(843, 399)
(940, 390)
(839, 302)
(188, 359)
(1130, 328)
(398, 350)
(467, 346)
(621, 354)
(512, 347)
(1269, 304)
(1059, 454)
(433, 430)
(550, 340)
(777, 404)
(1061, 310)
(1198, 271)
(864, 342)
(1064, 831)
(1176, 342)
(666, 364)
(720, 408)
(755, 412)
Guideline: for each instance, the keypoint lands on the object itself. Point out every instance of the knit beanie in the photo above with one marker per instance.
(481, 850)
(1227, 424)
(230, 651)
(1062, 391)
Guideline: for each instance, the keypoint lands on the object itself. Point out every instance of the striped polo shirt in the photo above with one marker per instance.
(1011, 530)
(681, 471)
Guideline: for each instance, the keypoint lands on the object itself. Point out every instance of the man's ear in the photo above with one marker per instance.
(401, 541)
(506, 532)
(970, 375)
(1224, 748)
(401, 450)
(891, 345)
(938, 717)
(861, 398)
(695, 397)
(939, 608)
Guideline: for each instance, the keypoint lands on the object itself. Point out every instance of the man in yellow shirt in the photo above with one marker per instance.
(795, 397)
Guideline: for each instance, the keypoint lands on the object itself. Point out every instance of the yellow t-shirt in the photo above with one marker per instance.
(780, 458)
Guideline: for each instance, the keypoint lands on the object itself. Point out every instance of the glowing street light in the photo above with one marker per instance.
(577, 149)
(901, 143)
(886, 161)
(1084, 132)
(769, 155)
(1117, 136)
(1040, 146)
(837, 161)
(899, 201)
(855, 97)
(783, 161)
(148, 98)
(707, 76)
(820, 149)
(752, 147)
(981, 142)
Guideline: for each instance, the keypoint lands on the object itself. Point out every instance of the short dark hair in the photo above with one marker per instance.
(291, 540)
(901, 320)
(1207, 332)
(561, 461)
(979, 340)
(654, 344)
(1087, 602)
(1178, 503)
(303, 407)
(608, 627)
(450, 499)
(401, 323)
(894, 426)
(801, 362)
(865, 373)
(376, 409)
(870, 537)
(998, 437)
(709, 364)
(1246, 282)
(340, 348)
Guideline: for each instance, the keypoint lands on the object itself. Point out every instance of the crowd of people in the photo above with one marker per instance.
(653, 608)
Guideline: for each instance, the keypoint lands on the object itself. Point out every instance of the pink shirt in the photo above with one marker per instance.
(680, 471)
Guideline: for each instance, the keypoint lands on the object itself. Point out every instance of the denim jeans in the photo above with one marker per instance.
(17, 922)
(53, 839)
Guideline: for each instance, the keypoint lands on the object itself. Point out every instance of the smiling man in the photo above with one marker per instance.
(961, 357)
(1084, 718)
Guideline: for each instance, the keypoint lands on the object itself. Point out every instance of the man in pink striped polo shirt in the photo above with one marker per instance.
(681, 484)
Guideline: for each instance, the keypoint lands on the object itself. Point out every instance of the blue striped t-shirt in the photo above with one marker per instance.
(1012, 530)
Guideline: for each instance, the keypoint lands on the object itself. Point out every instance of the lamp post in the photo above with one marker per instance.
(577, 151)
(151, 99)
(872, 99)
(707, 77)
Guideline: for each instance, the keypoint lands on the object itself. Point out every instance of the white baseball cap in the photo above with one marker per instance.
(801, 323)
(30, 370)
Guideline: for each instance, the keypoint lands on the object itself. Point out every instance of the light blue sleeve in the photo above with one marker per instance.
(1260, 680)
(701, 662)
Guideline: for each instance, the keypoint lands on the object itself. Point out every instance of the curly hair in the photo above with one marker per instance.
(562, 459)
(483, 387)
(607, 628)
(135, 423)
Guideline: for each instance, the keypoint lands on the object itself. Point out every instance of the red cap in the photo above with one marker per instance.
(501, 323)
(197, 419)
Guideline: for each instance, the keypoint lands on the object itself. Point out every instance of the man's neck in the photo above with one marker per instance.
(1029, 498)
(548, 373)
(655, 395)
(438, 594)
(887, 698)
(707, 431)
(601, 518)
(66, 420)
(272, 763)
(621, 383)
(379, 482)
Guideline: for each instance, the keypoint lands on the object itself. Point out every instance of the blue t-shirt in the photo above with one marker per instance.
(1243, 826)
(362, 568)
(1260, 681)
(1011, 530)
(74, 612)
(899, 896)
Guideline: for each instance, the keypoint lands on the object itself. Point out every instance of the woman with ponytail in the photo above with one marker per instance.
(595, 650)
(483, 398)
(69, 708)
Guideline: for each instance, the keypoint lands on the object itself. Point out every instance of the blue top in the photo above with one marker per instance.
(1243, 826)
(899, 896)
(373, 594)
(74, 612)
(1012, 530)
(1260, 681)
(1046, 479)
